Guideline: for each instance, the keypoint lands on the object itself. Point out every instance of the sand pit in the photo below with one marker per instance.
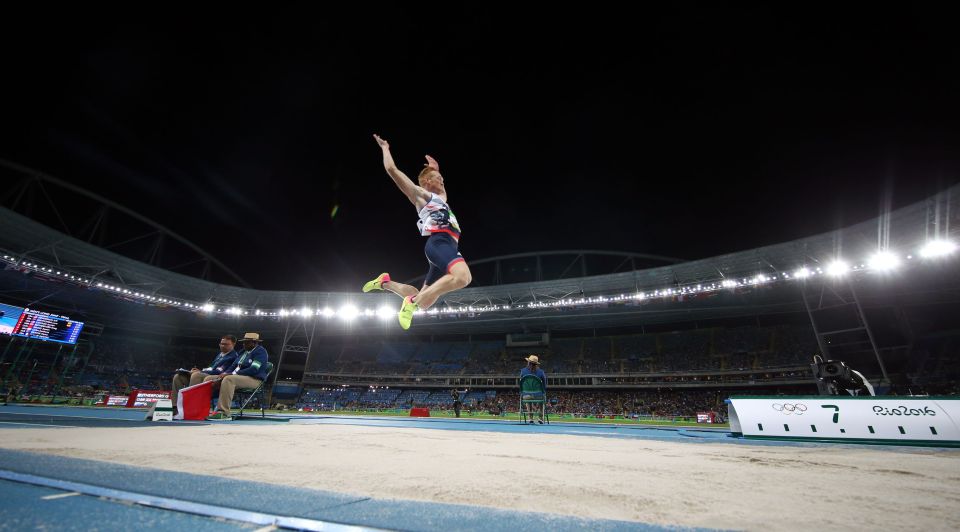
(715, 485)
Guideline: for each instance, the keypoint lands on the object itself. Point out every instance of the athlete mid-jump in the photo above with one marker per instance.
(448, 271)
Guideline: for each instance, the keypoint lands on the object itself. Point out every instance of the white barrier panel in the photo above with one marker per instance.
(161, 410)
(886, 420)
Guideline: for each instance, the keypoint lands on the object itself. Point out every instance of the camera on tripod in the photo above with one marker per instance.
(834, 375)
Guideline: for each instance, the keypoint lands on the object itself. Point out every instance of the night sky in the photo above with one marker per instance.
(685, 133)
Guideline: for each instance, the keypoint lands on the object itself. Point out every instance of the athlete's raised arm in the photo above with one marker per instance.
(417, 196)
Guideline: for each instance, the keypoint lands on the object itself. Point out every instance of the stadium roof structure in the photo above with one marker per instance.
(87, 215)
(32, 248)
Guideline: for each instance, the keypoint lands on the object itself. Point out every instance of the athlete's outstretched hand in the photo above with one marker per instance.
(432, 163)
(382, 143)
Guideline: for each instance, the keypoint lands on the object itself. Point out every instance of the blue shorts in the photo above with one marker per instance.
(441, 251)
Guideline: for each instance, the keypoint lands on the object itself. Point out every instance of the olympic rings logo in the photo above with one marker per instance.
(790, 408)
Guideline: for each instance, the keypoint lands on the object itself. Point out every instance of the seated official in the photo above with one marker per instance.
(249, 371)
(224, 361)
(533, 368)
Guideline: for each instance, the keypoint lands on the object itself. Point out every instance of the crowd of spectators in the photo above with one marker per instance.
(657, 403)
(714, 349)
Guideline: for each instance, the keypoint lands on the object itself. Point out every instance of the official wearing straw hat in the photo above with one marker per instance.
(533, 368)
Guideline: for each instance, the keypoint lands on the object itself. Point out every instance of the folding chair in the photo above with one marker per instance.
(533, 392)
(261, 389)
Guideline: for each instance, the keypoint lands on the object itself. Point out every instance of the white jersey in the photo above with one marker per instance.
(436, 217)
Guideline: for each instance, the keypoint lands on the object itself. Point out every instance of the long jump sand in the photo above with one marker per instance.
(672, 483)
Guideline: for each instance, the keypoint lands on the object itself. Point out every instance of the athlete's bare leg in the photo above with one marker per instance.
(458, 278)
(402, 290)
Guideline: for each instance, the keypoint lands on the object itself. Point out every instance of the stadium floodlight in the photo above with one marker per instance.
(385, 312)
(837, 268)
(305, 312)
(760, 279)
(729, 283)
(883, 261)
(327, 312)
(208, 307)
(234, 310)
(348, 312)
(802, 273)
(937, 248)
